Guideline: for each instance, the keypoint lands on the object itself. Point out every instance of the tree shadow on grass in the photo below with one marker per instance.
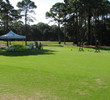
(54, 45)
(104, 48)
(26, 52)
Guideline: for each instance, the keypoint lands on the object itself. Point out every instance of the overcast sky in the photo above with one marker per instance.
(42, 7)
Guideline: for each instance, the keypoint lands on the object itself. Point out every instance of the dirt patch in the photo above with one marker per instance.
(11, 97)
(99, 81)
(21, 97)
(81, 92)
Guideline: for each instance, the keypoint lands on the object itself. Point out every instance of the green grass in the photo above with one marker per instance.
(55, 73)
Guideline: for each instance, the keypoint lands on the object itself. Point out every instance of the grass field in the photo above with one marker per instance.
(55, 73)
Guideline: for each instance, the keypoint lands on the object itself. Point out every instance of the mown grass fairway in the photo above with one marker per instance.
(57, 73)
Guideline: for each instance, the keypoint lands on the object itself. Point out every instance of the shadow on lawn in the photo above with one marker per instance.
(104, 48)
(27, 52)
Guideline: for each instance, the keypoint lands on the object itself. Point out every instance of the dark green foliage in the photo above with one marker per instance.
(7, 15)
(26, 6)
(17, 48)
(78, 21)
(86, 20)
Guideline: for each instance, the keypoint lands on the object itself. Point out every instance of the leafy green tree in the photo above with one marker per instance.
(8, 14)
(82, 17)
(26, 6)
(43, 28)
(56, 14)
(54, 32)
(35, 33)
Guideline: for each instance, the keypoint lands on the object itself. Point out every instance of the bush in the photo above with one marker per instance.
(18, 47)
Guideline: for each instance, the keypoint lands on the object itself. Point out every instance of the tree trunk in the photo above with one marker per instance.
(59, 37)
(26, 26)
(89, 29)
(77, 31)
(65, 30)
(7, 22)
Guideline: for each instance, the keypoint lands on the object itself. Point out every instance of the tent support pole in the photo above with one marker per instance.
(7, 43)
(25, 42)
(10, 42)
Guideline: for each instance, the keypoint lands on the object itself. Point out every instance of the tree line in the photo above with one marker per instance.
(84, 21)
(79, 21)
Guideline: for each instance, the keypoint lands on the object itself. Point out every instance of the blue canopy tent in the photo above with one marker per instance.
(12, 36)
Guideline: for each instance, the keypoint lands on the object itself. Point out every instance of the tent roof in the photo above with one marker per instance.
(12, 35)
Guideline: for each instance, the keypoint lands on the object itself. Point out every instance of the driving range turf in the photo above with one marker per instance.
(55, 73)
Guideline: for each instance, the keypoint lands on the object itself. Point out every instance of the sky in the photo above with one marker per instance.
(42, 7)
